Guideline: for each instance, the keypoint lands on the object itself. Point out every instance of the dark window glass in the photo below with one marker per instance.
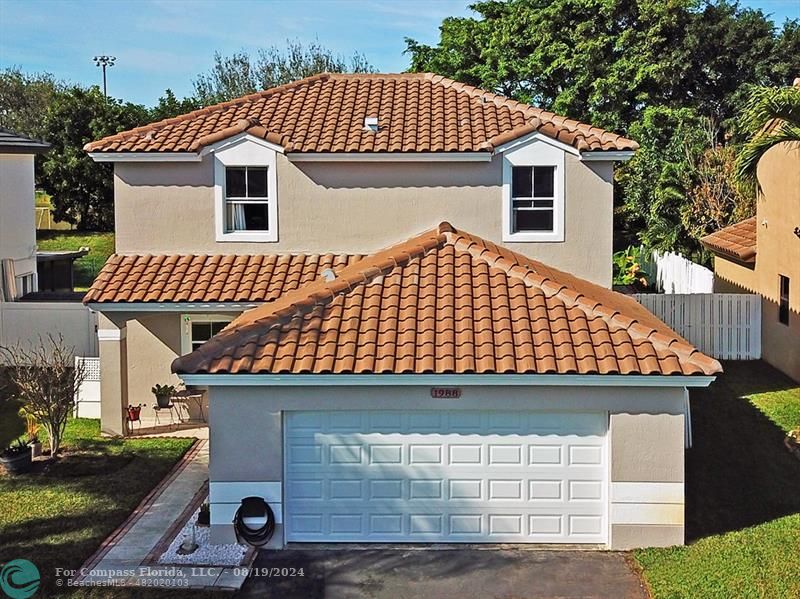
(521, 182)
(244, 216)
(201, 331)
(533, 220)
(256, 182)
(544, 181)
(235, 186)
(783, 306)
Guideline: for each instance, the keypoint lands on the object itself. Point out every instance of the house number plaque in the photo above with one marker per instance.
(445, 392)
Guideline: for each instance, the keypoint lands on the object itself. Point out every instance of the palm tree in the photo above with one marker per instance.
(772, 116)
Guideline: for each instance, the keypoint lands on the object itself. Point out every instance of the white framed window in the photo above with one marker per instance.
(533, 198)
(199, 328)
(246, 198)
(245, 189)
(533, 192)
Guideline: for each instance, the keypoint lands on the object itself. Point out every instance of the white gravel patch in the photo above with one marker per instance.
(206, 554)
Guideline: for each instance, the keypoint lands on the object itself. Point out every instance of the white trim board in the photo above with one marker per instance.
(112, 334)
(426, 380)
(172, 307)
(145, 157)
(611, 155)
(390, 156)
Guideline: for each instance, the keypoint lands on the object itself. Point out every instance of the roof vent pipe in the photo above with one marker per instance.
(328, 275)
(371, 123)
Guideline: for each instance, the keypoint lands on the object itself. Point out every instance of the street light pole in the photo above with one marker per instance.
(104, 61)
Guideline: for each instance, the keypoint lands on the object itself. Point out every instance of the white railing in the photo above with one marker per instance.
(87, 400)
(723, 325)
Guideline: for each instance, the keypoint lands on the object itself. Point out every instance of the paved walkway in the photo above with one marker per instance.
(125, 557)
(441, 573)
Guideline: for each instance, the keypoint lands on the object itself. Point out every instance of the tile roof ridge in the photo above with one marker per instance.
(152, 127)
(319, 292)
(524, 268)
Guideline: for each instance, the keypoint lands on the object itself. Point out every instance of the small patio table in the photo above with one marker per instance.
(190, 395)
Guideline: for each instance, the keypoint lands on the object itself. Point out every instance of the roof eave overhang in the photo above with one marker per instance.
(607, 156)
(389, 156)
(749, 262)
(171, 306)
(465, 380)
(145, 156)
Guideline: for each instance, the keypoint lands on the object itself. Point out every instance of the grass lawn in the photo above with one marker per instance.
(58, 518)
(742, 494)
(101, 246)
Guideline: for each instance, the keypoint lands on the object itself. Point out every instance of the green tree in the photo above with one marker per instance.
(82, 190)
(24, 98)
(169, 106)
(605, 61)
(240, 73)
(770, 116)
(657, 180)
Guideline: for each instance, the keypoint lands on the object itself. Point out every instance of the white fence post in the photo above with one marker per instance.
(723, 325)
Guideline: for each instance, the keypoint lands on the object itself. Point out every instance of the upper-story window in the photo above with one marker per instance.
(246, 190)
(533, 192)
(533, 196)
(246, 199)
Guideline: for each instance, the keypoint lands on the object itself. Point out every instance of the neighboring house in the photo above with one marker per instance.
(17, 227)
(762, 255)
(448, 388)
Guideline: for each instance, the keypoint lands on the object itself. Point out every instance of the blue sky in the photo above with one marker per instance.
(166, 43)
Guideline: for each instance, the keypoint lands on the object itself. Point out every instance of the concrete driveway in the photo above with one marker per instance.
(399, 573)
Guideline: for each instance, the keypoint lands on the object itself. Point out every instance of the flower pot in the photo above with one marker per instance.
(204, 516)
(163, 401)
(36, 449)
(17, 464)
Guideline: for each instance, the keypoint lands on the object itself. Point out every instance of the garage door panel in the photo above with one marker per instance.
(446, 476)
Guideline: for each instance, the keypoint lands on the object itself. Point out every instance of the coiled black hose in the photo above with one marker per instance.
(254, 507)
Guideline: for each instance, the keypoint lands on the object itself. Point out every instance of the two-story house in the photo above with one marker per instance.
(762, 255)
(17, 225)
(373, 372)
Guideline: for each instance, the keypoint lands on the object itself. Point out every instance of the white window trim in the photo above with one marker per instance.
(186, 326)
(534, 153)
(245, 152)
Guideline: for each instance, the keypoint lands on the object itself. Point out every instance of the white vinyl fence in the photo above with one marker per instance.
(723, 325)
(87, 401)
(675, 274)
(26, 322)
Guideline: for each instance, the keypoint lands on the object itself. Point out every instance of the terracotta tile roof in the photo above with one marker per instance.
(736, 241)
(448, 302)
(187, 278)
(417, 112)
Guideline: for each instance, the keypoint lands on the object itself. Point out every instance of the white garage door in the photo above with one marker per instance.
(456, 476)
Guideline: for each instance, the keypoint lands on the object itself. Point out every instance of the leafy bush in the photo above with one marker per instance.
(628, 268)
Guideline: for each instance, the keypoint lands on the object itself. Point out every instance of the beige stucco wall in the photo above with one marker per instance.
(17, 221)
(359, 208)
(645, 447)
(778, 253)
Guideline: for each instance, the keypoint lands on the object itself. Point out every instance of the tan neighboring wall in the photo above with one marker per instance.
(359, 208)
(646, 444)
(778, 253)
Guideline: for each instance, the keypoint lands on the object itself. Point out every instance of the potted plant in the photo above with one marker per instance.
(35, 444)
(163, 394)
(32, 433)
(204, 515)
(16, 457)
